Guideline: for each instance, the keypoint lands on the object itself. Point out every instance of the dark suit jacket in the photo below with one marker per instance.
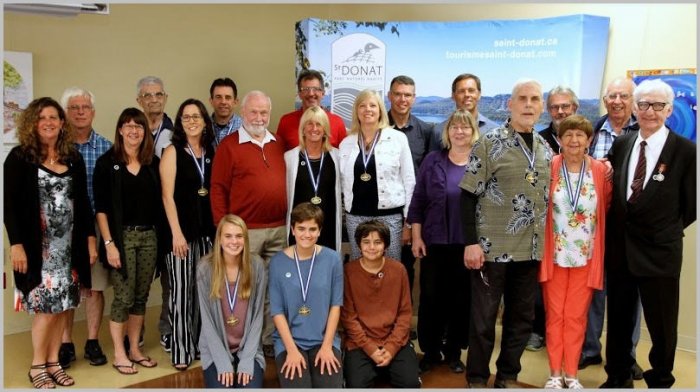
(647, 237)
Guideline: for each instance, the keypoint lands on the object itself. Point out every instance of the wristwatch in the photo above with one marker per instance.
(107, 242)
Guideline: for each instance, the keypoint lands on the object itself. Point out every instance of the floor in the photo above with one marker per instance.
(17, 358)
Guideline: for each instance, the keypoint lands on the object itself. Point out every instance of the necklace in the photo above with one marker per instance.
(372, 270)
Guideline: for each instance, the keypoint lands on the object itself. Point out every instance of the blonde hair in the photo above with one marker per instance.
(460, 116)
(218, 266)
(361, 97)
(315, 114)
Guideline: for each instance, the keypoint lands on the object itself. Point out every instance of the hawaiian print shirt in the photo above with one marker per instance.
(574, 229)
(513, 199)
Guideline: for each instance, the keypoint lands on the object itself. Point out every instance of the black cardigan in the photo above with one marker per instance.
(107, 187)
(23, 216)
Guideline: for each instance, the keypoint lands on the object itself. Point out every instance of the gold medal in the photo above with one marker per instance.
(232, 320)
(202, 191)
(316, 200)
(531, 177)
(304, 310)
(365, 177)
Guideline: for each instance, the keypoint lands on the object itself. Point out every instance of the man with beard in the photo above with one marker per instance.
(311, 90)
(223, 97)
(152, 99)
(249, 180)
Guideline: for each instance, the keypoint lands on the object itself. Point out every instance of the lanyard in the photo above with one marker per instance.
(573, 198)
(367, 156)
(315, 181)
(304, 289)
(232, 301)
(201, 169)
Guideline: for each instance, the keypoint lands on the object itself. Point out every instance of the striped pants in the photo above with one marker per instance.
(184, 308)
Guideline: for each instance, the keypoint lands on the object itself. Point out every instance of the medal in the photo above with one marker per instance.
(202, 191)
(530, 174)
(366, 156)
(232, 320)
(658, 177)
(315, 180)
(304, 310)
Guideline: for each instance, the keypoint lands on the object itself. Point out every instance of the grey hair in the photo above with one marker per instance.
(522, 82)
(563, 90)
(72, 92)
(256, 93)
(149, 80)
(654, 86)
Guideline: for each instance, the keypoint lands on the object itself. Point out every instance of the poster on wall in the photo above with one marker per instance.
(684, 82)
(353, 55)
(17, 90)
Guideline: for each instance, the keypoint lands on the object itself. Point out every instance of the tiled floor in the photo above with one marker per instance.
(17, 358)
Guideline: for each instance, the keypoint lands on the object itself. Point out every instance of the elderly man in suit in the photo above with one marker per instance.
(654, 200)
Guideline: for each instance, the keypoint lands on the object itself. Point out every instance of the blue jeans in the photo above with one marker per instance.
(211, 380)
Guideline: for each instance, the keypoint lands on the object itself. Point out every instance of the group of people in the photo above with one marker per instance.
(244, 227)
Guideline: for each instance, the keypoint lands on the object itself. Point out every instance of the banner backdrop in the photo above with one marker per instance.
(567, 50)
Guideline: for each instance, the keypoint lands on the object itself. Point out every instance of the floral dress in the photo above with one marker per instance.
(59, 289)
(574, 229)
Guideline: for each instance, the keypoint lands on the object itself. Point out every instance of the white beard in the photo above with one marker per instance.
(255, 130)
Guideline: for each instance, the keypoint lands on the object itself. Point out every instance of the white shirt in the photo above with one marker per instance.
(245, 137)
(652, 151)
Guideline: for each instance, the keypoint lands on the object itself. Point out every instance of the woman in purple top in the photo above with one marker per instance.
(438, 240)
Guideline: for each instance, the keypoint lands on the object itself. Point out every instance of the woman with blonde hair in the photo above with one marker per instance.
(377, 176)
(48, 221)
(439, 242)
(231, 286)
(313, 175)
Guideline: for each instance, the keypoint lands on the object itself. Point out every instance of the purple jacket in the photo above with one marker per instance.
(429, 203)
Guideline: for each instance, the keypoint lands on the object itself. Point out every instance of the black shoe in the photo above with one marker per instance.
(509, 384)
(637, 372)
(413, 335)
(613, 382)
(585, 362)
(165, 341)
(93, 353)
(66, 354)
(269, 350)
(456, 366)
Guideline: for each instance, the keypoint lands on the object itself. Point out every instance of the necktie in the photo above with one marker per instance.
(639, 173)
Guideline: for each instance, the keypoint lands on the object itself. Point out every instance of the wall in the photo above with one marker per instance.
(190, 45)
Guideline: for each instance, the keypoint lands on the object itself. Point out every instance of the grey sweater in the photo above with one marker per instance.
(213, 346)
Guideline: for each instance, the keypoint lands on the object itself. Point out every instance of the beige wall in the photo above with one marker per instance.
(189, 45)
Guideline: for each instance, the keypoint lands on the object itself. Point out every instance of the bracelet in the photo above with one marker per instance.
(107, 242)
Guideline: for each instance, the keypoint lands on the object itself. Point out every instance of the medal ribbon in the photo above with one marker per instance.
(367, 156)
(315, 181)
(304, 289)
(201, 169)
(158, 131)
(573, 198)
(528, 155)
(232, 301)
(228, 131)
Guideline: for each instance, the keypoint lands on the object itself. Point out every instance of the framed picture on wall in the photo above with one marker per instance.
(18, 91)
(683, 120)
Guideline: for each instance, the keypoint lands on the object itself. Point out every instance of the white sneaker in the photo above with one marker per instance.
(572, 383)
(554, 382)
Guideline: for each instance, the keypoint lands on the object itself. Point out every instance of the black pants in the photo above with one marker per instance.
(445, 301)
(538, 324)
(517, 283)
(361, 371)
(660, 297)
(311, 376)
(408, 260)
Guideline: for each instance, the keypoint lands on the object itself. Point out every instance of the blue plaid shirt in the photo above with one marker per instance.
(604, 138)
(232, 126)
(91, 150)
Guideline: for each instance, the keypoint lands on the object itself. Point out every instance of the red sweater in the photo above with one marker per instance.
(376, 311)
(250, 182)
(288, 129)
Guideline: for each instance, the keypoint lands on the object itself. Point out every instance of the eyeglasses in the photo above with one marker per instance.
(484, 277)
(311, 89)
(614, 96)
(460, 127)
(133, 127)
(76, 108)
(158, 95)
(188, 118)
(657, 106)
(555, 108)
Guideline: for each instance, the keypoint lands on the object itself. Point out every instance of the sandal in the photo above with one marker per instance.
(129, 366)
(145, 362)
(181, 366)
(41, 380)
(59, 376)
